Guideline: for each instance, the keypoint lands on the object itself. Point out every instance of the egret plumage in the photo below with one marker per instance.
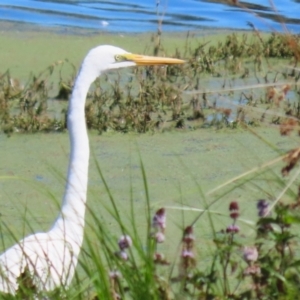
(51, 257)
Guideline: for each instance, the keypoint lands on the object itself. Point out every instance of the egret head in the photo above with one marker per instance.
(105, 57)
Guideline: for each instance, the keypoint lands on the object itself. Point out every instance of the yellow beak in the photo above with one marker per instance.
(144, 60)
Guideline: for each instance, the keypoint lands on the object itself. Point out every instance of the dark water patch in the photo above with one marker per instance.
(50, 12)
(251, 6)
(113, 3)
(280, 18)
(190, 18)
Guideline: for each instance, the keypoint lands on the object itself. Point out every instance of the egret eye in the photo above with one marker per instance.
(119, 57)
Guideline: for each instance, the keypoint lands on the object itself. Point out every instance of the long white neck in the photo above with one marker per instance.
(70, 223)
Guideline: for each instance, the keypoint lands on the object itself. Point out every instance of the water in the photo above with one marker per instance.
(141, 15)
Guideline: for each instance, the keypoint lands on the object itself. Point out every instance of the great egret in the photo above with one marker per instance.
(51, 257)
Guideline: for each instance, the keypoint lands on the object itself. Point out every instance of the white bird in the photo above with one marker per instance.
(51, 257)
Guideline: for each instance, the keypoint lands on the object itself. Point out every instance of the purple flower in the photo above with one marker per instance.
(263, 208)
(187, 254)
(159, 219)
(124, 242)
(158, 256)
(250, 254)
(233, 228)
(233, 206)
(234, 215)
(188, 236)
(262, 204)
(123, 255)
(159, 237)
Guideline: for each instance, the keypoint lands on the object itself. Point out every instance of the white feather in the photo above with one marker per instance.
(51, 257)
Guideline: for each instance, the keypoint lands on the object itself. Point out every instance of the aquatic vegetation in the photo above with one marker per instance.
(206, 91)
(24, 108)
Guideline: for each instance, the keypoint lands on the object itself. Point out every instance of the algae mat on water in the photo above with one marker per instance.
(33, 170)
(23, 51)
(26, 49)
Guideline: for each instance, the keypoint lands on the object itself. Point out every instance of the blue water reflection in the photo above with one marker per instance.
(141, 15)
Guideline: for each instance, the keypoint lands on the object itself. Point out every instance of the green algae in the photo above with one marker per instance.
(176, 163)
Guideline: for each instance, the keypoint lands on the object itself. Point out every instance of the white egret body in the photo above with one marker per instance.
(51, 257)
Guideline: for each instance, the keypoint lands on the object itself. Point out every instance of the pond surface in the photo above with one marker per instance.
(142, 15)
(177, 165)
